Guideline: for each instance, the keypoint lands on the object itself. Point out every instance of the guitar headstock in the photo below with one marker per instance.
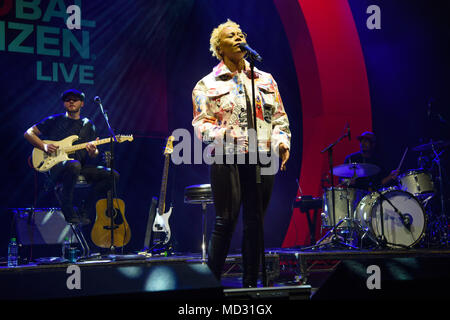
(169, 145)
(122, 138)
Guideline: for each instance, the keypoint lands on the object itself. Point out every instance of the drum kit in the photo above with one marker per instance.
(393, 217)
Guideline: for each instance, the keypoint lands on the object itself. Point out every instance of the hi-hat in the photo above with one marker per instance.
(358, 170)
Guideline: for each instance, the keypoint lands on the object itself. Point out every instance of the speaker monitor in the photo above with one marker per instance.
(390, 279)
(169, 281)
(35, 226)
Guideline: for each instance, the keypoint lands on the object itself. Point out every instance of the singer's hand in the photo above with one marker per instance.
(284, 155)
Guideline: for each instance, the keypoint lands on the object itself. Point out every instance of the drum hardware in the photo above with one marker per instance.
(347, 225)
(425, 201)
(444, 226)
(360, 170)
(334, 238)
(406, 220)
(432, 145)
(439, 227)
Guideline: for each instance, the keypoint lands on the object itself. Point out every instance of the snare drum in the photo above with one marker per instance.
(345, 201)
(418, 182)
(395, 231)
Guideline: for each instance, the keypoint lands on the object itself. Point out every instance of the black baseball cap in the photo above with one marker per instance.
(74, 93)
(367, 135)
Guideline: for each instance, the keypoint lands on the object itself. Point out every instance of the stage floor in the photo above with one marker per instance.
(292, 273)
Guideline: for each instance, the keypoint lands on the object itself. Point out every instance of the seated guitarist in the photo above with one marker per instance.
(58, 127)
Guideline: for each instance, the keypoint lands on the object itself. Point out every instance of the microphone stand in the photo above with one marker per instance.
(261, 248)
(329, 149)
(111, 168)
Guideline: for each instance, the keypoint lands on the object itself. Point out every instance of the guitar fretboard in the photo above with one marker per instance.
(162, 195)
(80, 146)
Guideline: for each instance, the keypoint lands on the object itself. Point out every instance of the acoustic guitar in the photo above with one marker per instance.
(107, 232)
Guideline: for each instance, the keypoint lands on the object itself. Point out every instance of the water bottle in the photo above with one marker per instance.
(13, 253)
(65, 248)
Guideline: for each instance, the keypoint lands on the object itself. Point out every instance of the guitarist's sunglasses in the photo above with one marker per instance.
(71, 99)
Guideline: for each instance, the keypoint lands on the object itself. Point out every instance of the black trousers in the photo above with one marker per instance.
(234, 185)
(67, 173)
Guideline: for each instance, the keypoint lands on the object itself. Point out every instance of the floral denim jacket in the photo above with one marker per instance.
(219, 103)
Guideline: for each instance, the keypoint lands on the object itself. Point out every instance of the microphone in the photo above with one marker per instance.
(250, 51)
(98, 101)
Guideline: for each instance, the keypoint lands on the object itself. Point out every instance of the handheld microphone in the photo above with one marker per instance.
(97, 99)
(250, 51)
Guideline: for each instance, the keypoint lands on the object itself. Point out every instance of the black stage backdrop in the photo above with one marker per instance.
(143, 59)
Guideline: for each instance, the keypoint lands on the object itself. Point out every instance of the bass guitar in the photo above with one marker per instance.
(161, 223)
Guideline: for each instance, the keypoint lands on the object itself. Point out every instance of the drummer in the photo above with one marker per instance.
(368, 154)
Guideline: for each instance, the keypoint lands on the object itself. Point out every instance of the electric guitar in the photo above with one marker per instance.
(161, 223)
(43, 161)
(108, 232)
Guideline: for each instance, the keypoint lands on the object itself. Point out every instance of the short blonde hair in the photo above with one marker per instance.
(214, 41)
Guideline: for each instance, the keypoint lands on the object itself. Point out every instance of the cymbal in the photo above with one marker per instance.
(359, 170)
(429, 146)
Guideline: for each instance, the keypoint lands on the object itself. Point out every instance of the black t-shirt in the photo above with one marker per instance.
(59, 126)
(371, 182)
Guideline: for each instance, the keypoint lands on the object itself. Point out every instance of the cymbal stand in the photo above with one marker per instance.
(443, 223)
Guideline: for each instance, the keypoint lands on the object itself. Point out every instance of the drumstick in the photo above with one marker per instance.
(403, 158)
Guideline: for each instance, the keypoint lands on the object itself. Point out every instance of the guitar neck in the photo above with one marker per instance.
(162, 195)
(81, 146)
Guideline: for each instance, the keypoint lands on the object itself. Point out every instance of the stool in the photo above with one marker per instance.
(200, 194)
(80, 184)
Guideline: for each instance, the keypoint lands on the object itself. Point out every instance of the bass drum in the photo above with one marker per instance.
(395, 231)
